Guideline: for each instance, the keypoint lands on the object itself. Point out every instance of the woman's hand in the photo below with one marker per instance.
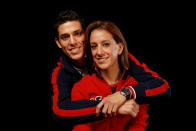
(110, 104)
(130, 107)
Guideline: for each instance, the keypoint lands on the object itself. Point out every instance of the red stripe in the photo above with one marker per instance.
(157, 90)
(142, 65)
(134, 59)
(61, 112)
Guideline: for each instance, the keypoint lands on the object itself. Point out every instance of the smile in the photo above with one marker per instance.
(75, 50)
(101, 60)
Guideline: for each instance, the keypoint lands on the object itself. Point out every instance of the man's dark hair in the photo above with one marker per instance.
(64, 16)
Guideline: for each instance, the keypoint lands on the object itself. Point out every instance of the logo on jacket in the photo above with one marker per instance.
(97, 98)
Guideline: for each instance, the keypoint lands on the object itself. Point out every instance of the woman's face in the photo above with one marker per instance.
(104, 49)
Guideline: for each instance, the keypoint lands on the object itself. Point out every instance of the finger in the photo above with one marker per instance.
(133, 113)
(136, 107)
(104, 111)
(114, 110)
(98, 108)
(110, 109)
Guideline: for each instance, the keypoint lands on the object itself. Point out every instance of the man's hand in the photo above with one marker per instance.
(110, 104)
(130, 107)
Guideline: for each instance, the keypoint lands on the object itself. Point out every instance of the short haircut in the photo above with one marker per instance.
(65, 16)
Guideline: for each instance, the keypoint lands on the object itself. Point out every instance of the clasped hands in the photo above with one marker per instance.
(116, 103)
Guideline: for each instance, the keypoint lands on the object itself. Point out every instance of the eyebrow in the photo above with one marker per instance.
(78, 31)
(92, 42)
(65, 34)
(103, 41)
(73, 32)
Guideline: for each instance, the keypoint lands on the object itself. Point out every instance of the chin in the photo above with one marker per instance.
(76, 57)
(103, 66)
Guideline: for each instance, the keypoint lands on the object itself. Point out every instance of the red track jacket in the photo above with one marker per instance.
(151, 88)
(94, 87)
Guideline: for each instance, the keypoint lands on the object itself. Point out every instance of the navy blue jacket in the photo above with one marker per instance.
(151, 88)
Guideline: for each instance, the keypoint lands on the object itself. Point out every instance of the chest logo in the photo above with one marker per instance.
(97, 98)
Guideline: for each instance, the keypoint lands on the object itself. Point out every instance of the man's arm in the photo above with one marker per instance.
(80, 111)
(62, 106)
(151, 88)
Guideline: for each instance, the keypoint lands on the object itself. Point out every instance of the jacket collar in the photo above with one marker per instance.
(67, 64)
(98, 74)
(69, 67)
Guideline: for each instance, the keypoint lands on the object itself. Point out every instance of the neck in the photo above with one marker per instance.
(79, 63)
(112, 75)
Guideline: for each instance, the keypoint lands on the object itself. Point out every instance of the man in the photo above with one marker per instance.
(71, 67)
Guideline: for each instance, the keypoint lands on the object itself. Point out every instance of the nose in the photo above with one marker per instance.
(72, 40)
(99, 50)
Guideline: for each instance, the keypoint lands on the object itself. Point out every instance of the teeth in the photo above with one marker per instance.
(101, 59)
(74, 50)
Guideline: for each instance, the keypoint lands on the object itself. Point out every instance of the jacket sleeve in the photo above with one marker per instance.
(82, 127)
(140, 122)
(151, 88)
(62, 107)
(79, 92)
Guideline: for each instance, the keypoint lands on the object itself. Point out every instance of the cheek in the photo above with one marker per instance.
(81, 39)
(93, 52)
(65, 48)
(115, 50)
(63, 43)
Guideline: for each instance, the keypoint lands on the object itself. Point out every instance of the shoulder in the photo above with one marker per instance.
(84, 86)
(86, 78)
(133, 59)
(86, 81)
(59, 75)
(57, 68)
(55, 73)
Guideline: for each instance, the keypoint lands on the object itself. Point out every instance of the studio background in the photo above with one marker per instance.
(149, 35)
(149, 29)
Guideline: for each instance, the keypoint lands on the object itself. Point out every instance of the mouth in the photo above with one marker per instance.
(101, 60)
(75, 50)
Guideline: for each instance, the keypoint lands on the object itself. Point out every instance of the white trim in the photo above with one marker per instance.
(133, 91)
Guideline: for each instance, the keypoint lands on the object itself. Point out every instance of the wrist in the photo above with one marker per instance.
(125, 91)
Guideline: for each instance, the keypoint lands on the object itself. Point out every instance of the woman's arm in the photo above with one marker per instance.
(130, 107)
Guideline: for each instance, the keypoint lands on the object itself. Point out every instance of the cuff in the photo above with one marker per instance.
(133, 94)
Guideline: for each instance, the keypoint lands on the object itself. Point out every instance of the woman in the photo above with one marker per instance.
(107, 51)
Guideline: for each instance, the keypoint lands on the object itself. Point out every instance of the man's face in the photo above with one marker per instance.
(71, 39)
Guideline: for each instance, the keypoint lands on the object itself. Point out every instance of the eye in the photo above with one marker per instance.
(93, 46)
(78, 33)
(64, 37)
(106, 44)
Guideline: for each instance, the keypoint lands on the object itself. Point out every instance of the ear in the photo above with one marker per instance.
(58, 43)
(121, 47)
